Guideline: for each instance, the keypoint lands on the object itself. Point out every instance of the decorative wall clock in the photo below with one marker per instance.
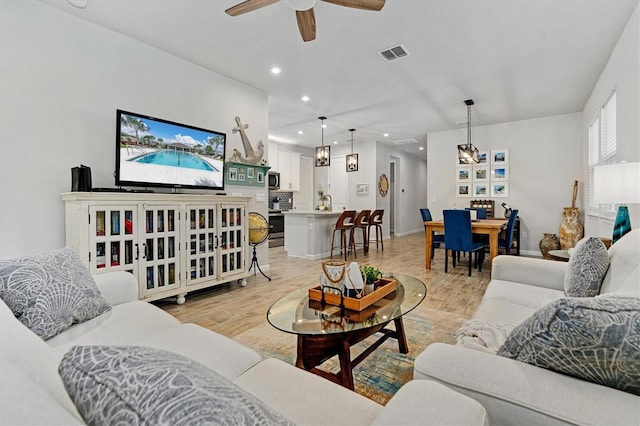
(383, 185)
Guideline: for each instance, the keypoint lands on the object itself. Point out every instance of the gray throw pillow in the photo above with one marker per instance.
(137, 385)
(587, 267)
(49, 292)
(595, 339)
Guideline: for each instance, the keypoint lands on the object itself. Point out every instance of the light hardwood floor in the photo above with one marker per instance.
(230, 309)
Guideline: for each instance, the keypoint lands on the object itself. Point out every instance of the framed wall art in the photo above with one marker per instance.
(463, 174)
(499, 189)
(463, 190)
(481, 173)
(362, 189)
(499, 157)
(483, 157)
(500, 173)
(480, 189)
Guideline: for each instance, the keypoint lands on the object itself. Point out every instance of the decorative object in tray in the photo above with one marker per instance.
(354, 287)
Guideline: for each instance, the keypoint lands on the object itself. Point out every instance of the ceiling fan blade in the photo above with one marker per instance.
(306, 24)
(374, 5)
(248, 6)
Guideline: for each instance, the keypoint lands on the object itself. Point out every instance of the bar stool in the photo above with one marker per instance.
(344, 225)
(375, 220)
(362, 222)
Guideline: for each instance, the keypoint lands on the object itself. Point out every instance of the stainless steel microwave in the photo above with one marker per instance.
(274, 180)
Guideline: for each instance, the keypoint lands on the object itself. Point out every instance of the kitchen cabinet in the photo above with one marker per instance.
(272, 150)
(289, 168)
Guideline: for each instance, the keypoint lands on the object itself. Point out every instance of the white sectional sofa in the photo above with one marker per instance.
(32, 392)
(514, 392)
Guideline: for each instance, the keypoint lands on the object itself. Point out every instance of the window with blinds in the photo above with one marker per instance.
(602, 150)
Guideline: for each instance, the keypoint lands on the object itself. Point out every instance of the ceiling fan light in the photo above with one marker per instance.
(300, 5)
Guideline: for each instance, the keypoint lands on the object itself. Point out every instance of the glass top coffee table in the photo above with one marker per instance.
(326, 331)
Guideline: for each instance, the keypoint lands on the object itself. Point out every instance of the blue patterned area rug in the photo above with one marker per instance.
(381, 374)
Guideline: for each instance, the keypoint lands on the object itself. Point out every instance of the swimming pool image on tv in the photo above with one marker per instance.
(175, 159)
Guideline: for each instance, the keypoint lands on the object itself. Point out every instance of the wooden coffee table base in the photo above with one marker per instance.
(313, 350)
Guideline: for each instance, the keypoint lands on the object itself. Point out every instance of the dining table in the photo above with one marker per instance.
(490, 227)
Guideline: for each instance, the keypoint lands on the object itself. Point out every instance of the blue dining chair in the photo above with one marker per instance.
(505, 243)
(437, 238)
(459, 238)
(481, 212)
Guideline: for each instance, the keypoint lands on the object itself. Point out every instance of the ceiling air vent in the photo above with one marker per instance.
(394, 52)
(405, 141)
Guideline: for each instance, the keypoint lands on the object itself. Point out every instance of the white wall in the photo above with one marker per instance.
(544, 160)
(62, 80)
(621, 73)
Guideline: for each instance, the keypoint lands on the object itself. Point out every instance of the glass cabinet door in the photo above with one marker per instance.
(112, 245)
(202, 242)
(159, 254)
(232, 239)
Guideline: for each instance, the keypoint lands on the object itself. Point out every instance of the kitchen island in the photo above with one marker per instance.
(307, 234)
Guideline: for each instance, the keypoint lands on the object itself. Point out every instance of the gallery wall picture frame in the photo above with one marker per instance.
(480, 189)
(499, 189)
(463, 173)
(233, 173)
(499, 157)
(245, 174)
(463, 189)
(362, 189)
(483, 157)
(481, 173)
(499, 173)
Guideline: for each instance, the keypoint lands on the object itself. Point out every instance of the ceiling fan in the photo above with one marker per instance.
(304, 11)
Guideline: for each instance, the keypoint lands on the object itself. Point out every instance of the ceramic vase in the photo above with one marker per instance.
(549, 242)
(571, 229)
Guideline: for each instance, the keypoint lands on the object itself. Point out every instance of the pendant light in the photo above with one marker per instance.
(323, 153)
(352, 159)
(468, 154)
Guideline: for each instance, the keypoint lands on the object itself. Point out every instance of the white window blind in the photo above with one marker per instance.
(594, 157)
(608, 134)
(602, 150)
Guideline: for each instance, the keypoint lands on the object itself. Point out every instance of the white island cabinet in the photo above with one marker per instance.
(307, 234)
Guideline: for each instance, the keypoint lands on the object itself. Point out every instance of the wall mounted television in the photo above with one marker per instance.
(153, 152)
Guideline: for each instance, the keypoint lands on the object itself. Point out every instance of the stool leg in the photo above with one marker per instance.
(332, 240)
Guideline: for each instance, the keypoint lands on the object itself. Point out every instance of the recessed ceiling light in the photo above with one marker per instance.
(276, 70)
(300, 132)
(335, 142)
(421, 148)
(386, 135)
(305, 98)
(324, 126)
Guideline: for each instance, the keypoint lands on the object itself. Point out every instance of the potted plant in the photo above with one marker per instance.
(370, 274)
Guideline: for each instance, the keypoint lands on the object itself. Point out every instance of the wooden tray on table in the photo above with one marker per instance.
(383, 288)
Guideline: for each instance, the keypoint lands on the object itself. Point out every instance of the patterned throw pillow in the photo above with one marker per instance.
(587, 267)
(594, 339)
(49, 292)
(137, 385)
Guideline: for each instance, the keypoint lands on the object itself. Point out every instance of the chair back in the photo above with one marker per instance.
(457, 230)
(510, 226)
(346, 219)
(480, 212)
(362, 218)
(426, 215)
(376, 217)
